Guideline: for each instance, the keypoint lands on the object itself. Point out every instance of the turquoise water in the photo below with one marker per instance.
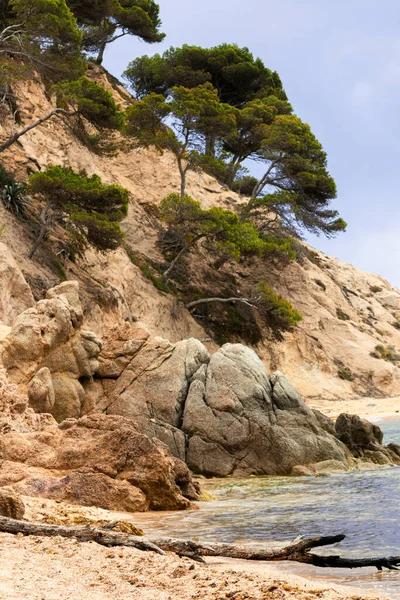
(363, 505)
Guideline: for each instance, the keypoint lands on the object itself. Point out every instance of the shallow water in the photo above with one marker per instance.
(363, 505)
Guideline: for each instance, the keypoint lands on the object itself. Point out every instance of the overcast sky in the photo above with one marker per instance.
(340, 65)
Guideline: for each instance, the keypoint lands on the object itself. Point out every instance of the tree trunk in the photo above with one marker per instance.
(43, 229)
(210, 145)
(167, 273)
(258, 188)
(298, 550)
(100, 55)
(14, 138)
(182, 172)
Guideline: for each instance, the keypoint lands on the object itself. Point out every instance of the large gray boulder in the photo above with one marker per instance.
(221, 414)
(241, 421)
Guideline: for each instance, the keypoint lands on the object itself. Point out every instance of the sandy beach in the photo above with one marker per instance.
(34, 568)
(367, 408)
(39, 568)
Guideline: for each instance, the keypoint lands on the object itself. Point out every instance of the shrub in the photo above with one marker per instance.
(14, 194)
(388, 353)
(60, 270)
(283, 314)
(147, 271)
(92, 101)
(245, 185)
(342, 315)
(345, 374)
(89, 210)
(375, 289)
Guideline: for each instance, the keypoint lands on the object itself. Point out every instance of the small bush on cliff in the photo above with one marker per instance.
(388, 353)
(345, 374)
(86, 208)
(90, 102)
(280, 310)
(341, 315)
(13, 194)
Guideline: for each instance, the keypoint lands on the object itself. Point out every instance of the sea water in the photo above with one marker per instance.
(363, 505)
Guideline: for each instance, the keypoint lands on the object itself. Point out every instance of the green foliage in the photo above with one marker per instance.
(96, 229)
(181, 123)
(156, 281)
(231, 323)
(375, 289)
(88, 209)
(48, 36)
(60, 270)
(342, 315)
(148, 271)
(345, 374)
(104, 22)
(92, 102)
(254, 121)
(245, 185)
(388, 353)
(213, 165)
(231, 70)
(297, 172)
(13, 194)
(280, 310)
(221, 229)
(65, 187)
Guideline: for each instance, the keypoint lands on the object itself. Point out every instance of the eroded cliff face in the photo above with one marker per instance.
(346, 312)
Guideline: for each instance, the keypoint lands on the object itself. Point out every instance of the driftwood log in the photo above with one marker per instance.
(298, 550)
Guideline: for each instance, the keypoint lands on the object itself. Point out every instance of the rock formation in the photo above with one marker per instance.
(364, 440)
(98, 460)
(221, 414)
(51, 355)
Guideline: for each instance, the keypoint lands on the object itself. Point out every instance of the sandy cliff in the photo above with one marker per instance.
(346, 312)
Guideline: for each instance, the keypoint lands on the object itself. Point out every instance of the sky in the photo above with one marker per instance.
(340, 66)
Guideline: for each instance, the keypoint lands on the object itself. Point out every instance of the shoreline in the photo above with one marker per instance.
(89, 571)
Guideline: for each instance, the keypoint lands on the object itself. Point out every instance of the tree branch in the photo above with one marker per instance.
(14, 138)
(208, 300)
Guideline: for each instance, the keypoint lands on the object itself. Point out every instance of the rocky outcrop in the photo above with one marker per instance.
(241, 421)
(364, 440)
(15, 415)
(222, 414)
(98, 460)
(49, 354)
